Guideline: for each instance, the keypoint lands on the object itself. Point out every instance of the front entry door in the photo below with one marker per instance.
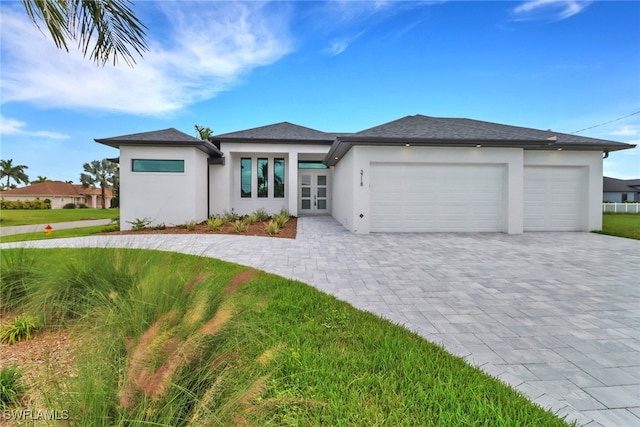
(314, 192)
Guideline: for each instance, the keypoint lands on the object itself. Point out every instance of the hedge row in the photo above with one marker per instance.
(25, 204)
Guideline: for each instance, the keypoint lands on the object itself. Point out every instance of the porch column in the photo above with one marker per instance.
(94, 198)
(292, 179)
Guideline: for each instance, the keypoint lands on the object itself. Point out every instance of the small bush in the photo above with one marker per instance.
(25, 204)
(230, 216)
(139, 224)
(69, 206)
(238, 226)
(272, 227)
(190, 225)
(260, 215)
(83, 206)
(215, 223)
(19, 329)
(11, 387)
(250, 219)
(282, 218)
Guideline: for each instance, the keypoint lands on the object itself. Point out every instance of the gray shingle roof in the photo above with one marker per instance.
(456, 132)
(615, 185)
(283, 131)
(426, 127)
(164, 137)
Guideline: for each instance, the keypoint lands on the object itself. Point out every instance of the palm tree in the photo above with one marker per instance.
(203, 133)
(11, 172)
(40, 179)
(108, 28)
(101, 172)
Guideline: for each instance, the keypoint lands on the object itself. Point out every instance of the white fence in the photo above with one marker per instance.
(621, 207)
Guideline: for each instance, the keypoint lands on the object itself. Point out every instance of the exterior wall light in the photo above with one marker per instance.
(478, 145)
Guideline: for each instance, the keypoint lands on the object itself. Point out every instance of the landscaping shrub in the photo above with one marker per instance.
(139, 224)
(11, 387)
(69, 206)
(238, 226)
(25, 204)
(261, 215)
(272, 227)
(215, 223)
(19, 329)
(18, 272)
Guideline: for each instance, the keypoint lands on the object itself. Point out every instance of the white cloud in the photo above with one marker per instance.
(15, 127)
(205, 50)
(339, 45)
(629, 130)
(554, 10)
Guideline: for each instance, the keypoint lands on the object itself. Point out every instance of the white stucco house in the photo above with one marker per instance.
(414, 174)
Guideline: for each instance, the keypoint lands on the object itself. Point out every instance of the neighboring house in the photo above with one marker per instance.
(60, 193)
(621, 190)
(415, 174)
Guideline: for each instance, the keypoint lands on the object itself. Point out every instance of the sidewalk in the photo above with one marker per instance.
(35, 228)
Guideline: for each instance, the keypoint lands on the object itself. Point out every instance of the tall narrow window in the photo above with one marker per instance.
(263, 177)
(278, 178)
(245, 177)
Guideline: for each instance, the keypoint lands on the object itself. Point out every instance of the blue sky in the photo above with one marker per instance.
(337, 66)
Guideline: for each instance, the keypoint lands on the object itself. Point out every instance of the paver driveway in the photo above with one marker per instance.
(556, 315)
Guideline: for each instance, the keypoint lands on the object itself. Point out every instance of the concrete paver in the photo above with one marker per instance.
(555, 315)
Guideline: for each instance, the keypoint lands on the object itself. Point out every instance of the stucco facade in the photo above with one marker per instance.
(415, 174)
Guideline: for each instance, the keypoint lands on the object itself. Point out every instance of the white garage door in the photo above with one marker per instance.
(436, 197)
(554, 198)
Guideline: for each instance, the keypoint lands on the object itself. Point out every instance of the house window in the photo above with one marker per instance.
(311, 164)
(154, 165)
(278, 178)
(245, 177)
(263, 177)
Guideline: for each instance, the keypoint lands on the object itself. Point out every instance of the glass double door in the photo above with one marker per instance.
(313, 193)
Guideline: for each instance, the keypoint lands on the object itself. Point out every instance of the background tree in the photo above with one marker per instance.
(13, 172)
(40, 179)
(107, 28)
(101, 173)
(203, 133)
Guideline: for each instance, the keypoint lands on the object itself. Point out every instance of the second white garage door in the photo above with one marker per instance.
(436, 197)
(554, 198)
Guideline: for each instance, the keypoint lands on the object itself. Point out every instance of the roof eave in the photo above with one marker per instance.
(274, 140)
(343, 144)
(205, 146)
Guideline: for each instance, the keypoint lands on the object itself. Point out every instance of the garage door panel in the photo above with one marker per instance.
(554, 198)
(436, 197)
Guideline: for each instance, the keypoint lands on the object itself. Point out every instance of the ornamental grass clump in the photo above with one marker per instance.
(19, 329)
(272, 227)
(216, 222)
(11, 387)
(238, 226)
(260, 215)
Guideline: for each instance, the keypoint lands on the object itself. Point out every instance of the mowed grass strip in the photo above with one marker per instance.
(11, 217)
(175, 340)
(58, 234)
(621, 225)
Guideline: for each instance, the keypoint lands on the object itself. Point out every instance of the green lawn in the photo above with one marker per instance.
(9, 217)
(57, 234)
(621, 225)
(169, 339)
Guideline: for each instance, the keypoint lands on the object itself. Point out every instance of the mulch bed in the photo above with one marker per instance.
(258, 229)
